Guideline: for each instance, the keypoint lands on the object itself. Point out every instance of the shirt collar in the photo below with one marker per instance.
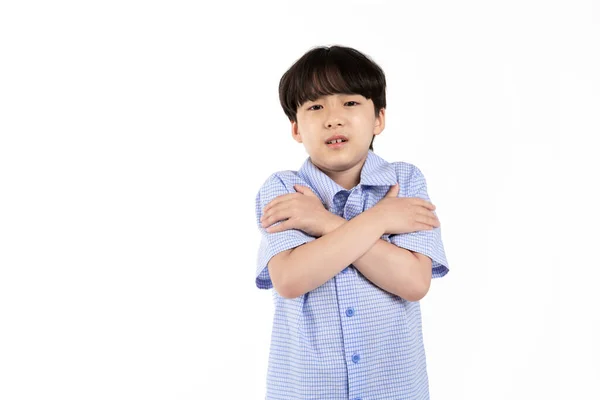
(375, 172)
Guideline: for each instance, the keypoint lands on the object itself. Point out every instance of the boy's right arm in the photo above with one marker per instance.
(306, 267)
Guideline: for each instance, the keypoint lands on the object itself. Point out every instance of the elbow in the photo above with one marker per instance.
(421, 279)
(423, 288)
(289, 288)
(279, 269)
(288, 293)
(418, 292)
(284, 289)
(280, 290)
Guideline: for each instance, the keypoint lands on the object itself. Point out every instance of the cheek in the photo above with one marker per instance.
(308, 122)
(366, 122)
(308, 128)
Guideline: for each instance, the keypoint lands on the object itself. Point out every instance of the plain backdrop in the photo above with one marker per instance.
(135, 137)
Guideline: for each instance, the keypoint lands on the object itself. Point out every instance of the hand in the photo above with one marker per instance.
(405, 214)
(303, 211)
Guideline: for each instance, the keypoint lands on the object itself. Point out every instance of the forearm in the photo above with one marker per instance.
(314, 263)
(392, 268)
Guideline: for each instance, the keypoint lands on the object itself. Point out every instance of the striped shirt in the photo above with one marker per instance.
(347, 339)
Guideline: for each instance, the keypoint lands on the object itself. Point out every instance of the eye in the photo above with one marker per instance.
(318, 105)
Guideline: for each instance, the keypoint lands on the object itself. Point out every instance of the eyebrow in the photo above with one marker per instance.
(339, 94)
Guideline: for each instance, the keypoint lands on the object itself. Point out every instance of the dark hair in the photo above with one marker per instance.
(331, 70)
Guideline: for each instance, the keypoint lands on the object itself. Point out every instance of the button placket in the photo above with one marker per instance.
(347, 210)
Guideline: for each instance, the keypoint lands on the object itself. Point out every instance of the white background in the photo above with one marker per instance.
(135, 136)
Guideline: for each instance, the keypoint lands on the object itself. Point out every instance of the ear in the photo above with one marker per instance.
(379, 122)
(295, 133)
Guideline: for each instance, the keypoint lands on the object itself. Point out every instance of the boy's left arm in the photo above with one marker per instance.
(410, 271)
(410, 260)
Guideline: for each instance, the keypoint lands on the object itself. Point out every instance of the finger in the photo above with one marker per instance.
(305, 190)
(281, 227)
(427, 204)
(422, 202)
(426, 213)
(277, 200)
(429, 219)
(273, 202)
(421, 226)
(433, 221)
(276, 214)
(393, 192)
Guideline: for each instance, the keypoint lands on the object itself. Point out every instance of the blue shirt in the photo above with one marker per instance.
(347, 339)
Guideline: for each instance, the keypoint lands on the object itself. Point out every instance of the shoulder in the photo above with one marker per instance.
(409, 175)
(282, 176)
(405, 169)
(279, 180)
(277, 184)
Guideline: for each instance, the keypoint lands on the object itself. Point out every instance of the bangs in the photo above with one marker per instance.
(332, 70)
(327, 79)
(331, 73)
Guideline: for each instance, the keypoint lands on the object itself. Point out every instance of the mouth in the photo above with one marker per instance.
(336, 144)
(336, 137)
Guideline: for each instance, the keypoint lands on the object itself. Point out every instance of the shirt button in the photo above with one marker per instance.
(355, 358)
(350, 311)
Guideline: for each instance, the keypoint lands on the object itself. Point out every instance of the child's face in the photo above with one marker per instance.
(351, 115)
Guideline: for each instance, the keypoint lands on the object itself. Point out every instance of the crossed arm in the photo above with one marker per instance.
(396, 270)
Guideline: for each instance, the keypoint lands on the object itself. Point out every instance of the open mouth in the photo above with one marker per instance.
(336, 143)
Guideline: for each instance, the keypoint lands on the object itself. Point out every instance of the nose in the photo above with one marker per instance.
(334, 119)
(335, 116)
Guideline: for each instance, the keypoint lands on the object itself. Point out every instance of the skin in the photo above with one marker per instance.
(394, 269)
(350, 115)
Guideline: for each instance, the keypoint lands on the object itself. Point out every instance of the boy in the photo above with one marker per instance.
(349, 243)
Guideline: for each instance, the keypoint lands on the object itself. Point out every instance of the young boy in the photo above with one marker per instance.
(349, 243)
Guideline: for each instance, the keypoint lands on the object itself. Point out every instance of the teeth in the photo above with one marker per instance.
(336, 141)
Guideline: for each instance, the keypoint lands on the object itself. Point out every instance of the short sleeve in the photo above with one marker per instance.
(273, 243)
(427, 242)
